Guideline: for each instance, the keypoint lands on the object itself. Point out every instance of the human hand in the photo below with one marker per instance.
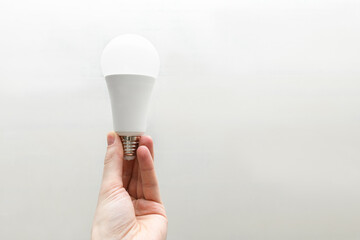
(129, 205)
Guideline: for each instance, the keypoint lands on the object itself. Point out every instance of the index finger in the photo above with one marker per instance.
(150, 186)
(148, 142)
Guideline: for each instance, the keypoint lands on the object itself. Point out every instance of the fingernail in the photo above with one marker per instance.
(110, 138)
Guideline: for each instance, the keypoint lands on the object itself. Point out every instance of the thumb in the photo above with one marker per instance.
(113, 164)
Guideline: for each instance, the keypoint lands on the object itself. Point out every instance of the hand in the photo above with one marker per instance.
(129, 205)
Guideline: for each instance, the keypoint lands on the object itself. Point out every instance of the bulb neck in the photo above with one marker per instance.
(130, 145)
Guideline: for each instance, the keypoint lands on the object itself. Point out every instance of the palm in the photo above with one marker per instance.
(133, 209)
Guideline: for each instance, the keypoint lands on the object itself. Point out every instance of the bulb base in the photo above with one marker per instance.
(130, 145)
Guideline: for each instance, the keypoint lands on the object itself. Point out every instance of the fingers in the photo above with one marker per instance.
(133, 182)
(113, 164)
(127, 172)
(139, 188)
(134, 186)
(148, 142)
(148, 176)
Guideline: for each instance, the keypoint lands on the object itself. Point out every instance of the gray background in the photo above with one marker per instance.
(255, 116)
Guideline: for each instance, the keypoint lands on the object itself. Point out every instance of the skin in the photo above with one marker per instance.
(129, 204)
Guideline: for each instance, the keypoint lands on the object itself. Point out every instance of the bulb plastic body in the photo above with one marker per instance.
(129, 96)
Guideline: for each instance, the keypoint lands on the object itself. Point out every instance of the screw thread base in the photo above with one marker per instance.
(130, 145)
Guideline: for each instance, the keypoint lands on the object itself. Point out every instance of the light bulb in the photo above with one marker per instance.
(130, 65)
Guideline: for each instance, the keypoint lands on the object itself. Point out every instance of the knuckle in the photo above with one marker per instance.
(148, 169)
(149, 185)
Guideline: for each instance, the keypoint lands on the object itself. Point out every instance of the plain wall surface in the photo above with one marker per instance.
(255, 116)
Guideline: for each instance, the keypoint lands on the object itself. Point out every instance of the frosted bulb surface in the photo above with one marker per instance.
(130, 54)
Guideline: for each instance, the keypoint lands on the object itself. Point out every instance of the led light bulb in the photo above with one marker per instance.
(130, 65)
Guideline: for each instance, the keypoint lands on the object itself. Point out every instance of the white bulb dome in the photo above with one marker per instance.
(130, 54)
